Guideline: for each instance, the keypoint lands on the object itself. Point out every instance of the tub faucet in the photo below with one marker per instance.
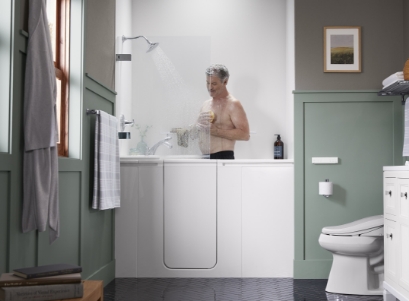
(152, 150)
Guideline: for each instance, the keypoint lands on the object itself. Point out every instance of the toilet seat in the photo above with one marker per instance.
(368, 226)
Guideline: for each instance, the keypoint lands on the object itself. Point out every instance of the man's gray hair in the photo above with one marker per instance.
(218, 70)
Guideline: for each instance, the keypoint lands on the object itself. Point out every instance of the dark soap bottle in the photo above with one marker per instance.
(278, 148)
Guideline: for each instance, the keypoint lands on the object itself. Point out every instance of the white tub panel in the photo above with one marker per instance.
(267, 221)
(229, 220)
(190, 214)
(149, 220)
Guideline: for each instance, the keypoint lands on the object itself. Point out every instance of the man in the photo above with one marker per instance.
(223, 115)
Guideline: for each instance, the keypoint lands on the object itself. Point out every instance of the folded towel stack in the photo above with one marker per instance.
(396, 77)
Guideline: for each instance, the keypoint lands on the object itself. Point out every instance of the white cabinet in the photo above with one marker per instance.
(390, 201)
(390, 250)
(396, 229)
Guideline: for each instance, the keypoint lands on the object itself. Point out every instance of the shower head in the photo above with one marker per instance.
(151, 45)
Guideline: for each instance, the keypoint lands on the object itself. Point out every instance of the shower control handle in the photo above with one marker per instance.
(404, 195)
(389, 235)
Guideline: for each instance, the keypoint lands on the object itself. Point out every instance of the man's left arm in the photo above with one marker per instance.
(241, 130)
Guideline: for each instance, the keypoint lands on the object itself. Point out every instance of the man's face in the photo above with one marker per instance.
(215, 86)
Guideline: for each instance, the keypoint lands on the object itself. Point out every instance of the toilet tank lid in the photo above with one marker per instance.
(356, 226)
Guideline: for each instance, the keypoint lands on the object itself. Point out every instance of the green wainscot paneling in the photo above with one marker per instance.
(365, 132)
(67, 247)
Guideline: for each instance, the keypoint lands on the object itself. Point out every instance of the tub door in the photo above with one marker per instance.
(190, 212)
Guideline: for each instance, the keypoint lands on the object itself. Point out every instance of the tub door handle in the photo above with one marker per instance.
(389, 235)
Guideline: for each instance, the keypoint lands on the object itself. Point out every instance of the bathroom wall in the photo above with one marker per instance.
(382, 42)
(100, 42)
(252, 38)
(86, 236)
(406, 29)
(340, 115)
(123, 70)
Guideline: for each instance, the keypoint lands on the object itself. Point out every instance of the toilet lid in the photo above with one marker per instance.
(356, 226)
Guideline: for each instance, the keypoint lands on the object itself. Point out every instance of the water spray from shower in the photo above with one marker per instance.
(151, 45)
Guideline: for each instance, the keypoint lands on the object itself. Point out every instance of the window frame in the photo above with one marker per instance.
(61, 65)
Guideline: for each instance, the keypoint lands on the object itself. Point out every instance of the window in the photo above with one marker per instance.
(58, 13)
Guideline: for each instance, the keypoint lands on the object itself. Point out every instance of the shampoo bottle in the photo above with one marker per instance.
(278, 148)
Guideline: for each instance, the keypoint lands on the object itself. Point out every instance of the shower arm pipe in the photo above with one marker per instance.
(133, 38)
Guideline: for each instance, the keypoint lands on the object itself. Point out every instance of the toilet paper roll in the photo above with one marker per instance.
(325, 188)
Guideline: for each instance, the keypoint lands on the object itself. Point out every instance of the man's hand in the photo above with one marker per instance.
(205, 118)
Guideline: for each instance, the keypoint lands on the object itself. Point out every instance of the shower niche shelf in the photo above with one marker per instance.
(397, 88)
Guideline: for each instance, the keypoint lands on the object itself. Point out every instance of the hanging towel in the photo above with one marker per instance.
(106, 163)
(40, 174)
(183, 137)
(406, 139)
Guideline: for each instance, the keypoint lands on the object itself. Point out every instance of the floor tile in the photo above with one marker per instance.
(223, 289)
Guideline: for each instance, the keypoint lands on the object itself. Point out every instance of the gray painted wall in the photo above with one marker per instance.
(100, 41)
(382, 23)
(406, 28)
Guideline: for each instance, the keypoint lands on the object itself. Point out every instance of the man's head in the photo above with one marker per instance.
(217, 77)
(220, 71)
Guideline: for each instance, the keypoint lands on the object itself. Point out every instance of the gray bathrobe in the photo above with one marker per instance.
(40, 201)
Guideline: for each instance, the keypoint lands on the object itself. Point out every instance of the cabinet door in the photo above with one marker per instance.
(391, 250)
(404, 200)
(403, 243)
(390, 197)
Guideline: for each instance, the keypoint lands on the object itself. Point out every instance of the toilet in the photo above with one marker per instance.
(357, 250)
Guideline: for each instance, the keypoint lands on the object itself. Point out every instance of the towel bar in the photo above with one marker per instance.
(90, 111)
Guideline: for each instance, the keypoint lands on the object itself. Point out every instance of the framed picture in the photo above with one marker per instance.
(342, 49)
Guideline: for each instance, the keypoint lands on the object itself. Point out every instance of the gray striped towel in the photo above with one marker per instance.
(106, 163)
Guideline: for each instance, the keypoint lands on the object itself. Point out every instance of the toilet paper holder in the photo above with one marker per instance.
(325, 188)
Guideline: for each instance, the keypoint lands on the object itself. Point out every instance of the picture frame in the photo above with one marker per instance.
(342, 49)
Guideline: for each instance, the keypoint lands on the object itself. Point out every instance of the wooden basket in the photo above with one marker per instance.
(406, 70)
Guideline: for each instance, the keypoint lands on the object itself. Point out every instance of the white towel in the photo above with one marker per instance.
(183, 137)
(406, 139)
(398, 76)
(106, 163)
